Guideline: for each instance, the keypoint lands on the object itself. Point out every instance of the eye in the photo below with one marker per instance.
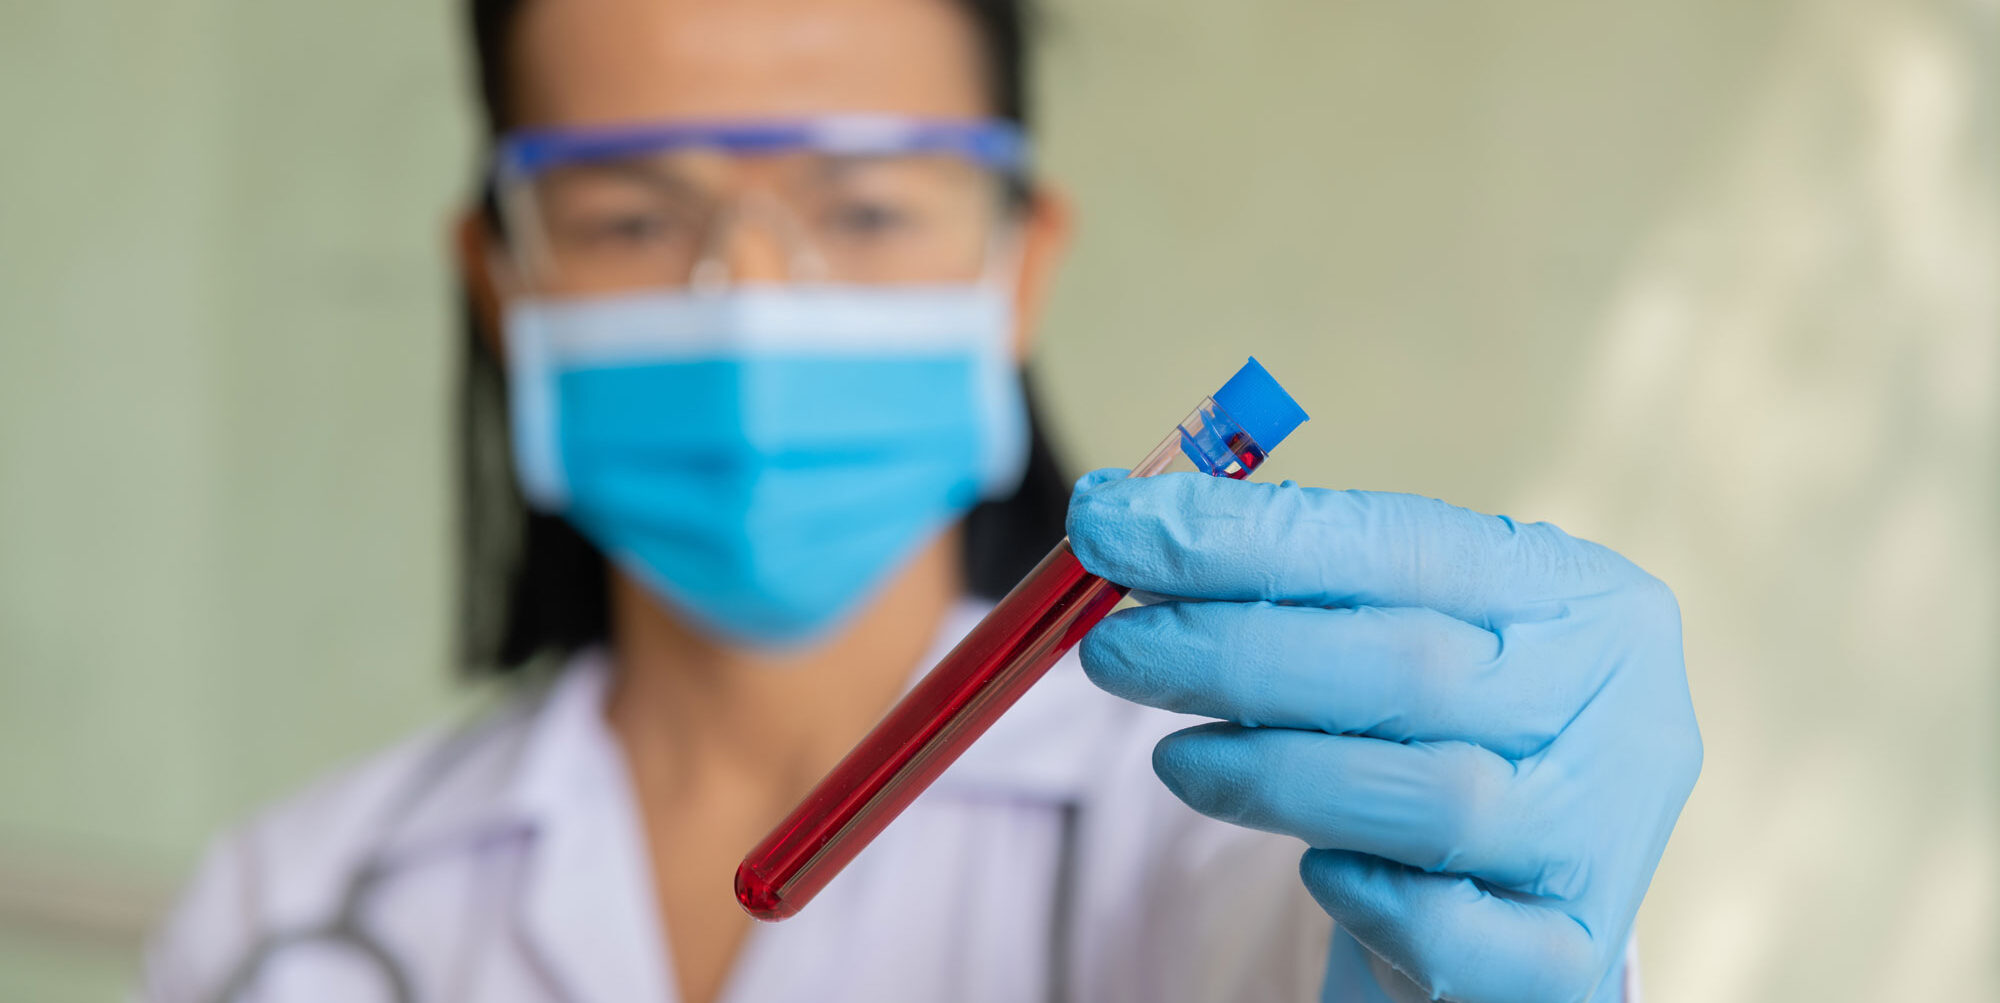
(869, 218)
(627, 228)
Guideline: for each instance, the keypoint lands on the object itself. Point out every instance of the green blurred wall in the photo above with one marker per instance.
(1713, 282)
(222, 408)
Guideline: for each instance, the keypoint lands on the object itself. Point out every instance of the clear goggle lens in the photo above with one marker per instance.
(826, 201)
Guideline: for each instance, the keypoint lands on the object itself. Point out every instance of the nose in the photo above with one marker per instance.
(753, 242)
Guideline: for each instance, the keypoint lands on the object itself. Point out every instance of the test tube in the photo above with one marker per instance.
(1227, 435)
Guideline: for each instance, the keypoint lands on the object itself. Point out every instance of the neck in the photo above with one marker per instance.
(697, 715)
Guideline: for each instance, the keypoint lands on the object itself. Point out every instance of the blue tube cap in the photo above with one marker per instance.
(1260, 405)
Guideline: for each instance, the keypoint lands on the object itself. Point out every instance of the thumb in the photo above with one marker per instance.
(1104, 475)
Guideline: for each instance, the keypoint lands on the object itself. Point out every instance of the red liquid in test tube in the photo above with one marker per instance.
(1013, 647)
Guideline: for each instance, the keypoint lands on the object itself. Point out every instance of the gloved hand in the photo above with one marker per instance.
(1481, 728)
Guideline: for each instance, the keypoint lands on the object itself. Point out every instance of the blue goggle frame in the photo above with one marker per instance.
(996, 144)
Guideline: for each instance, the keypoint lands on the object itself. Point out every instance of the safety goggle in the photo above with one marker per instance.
(852, 199)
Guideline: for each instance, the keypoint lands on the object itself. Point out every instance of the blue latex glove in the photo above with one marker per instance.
(1481, 728)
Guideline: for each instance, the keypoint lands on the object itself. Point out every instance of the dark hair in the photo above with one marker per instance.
(529, 583)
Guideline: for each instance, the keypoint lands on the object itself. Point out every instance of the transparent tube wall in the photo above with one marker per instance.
(1028, 631)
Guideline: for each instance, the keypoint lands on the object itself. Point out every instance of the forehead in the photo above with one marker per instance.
(598, 62)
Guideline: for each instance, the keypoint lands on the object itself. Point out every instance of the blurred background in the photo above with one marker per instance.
(1715, 283)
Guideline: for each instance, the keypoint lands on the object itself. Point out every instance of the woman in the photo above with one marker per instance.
(761, 273)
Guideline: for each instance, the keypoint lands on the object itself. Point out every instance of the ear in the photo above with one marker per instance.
(1045, 236)
(472, 244)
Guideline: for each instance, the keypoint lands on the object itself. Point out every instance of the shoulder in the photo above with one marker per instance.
(289, 863)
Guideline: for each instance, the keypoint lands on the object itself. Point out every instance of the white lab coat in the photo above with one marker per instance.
(513, 869)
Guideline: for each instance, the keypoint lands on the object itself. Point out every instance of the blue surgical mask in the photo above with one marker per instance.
(765, 458)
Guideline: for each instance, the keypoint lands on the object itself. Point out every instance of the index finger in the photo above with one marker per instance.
(1212, 538)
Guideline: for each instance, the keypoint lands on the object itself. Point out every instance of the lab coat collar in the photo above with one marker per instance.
(587, 899)
(547, 774)
(461, 789)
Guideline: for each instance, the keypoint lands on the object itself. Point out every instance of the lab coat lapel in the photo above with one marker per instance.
(587, 909)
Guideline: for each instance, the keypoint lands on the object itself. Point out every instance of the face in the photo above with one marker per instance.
(578, 63)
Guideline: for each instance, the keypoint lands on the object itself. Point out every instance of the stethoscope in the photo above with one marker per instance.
(344, 930)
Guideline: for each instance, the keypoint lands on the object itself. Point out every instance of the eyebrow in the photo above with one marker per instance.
(651, 175)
